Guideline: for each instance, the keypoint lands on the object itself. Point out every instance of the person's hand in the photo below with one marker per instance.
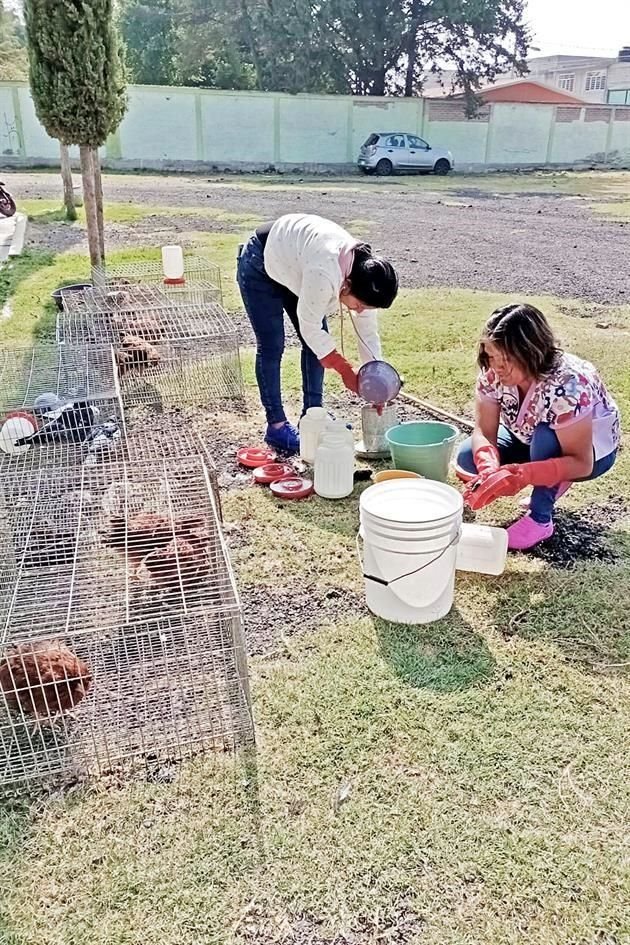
(487, 459)
(336, 362)
(493, 485)
(510, 480)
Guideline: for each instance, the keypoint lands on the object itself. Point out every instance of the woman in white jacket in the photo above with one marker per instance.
(307, 266)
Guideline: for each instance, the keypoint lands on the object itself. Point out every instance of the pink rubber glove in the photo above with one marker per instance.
(509, 480)
(487, 459)
(336, 362)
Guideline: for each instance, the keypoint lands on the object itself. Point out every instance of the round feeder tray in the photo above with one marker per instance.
(255, 456)
(272, 472)
(293, 487)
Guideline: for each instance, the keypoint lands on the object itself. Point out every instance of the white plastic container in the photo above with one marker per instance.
(173, 264)
(311, 428)
(410, 530)
(334, 466)
(339, 426)
(482, 549)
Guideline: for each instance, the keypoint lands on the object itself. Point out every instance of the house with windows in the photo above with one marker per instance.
(605, 81)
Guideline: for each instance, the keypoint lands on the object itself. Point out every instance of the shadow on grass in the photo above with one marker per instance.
(445, 656)
(583, 613)
(49, 216)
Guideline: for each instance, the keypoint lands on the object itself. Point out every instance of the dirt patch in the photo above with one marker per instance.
(399, 925)
(584, 535)
(526, 244)
(274, 613)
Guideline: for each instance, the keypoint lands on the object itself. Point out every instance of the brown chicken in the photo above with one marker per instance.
(177, 564)
(138, 325)
(44, 679)
(136, 354)
(139, 534)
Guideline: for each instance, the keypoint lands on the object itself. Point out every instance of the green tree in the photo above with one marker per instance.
(13, 55)
(78, 86)
(388, 46)
(210, 48)
(149, 31)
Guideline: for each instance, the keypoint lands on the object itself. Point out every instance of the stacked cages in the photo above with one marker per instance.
(121, 637)
(168, 352)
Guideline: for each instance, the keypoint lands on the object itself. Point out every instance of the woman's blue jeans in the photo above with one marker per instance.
(266, 302)
(545, 445)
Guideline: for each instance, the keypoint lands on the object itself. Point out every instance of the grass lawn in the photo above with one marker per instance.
(464, 783)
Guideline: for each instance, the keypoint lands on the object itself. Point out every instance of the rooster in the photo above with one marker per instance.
(43, 679)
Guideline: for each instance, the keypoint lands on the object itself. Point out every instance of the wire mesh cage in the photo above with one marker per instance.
(200, 273)
(196, 372)
(54, 403)
(105, 315)
(120, 622)
(149, 694)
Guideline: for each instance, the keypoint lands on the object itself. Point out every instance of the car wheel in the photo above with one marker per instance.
(442, 168)
(384, 167)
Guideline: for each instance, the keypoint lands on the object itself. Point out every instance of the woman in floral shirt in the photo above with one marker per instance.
(544, 419)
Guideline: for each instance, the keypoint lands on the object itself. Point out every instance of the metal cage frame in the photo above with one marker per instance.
(103, 315)
(97, 557)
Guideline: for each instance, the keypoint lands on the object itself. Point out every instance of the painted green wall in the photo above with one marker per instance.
(187, 126)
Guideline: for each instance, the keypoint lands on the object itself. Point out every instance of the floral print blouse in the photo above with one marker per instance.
(573, 391)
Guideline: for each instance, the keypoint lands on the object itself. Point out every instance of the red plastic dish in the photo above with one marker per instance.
(255, 456)
(271, 472)
(293, 487)
(22, 415)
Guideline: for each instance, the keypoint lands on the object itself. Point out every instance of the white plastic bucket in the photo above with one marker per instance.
(410, 530)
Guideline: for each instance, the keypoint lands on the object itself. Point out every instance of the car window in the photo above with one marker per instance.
(395, 141)
(373, 139)
(416, 142)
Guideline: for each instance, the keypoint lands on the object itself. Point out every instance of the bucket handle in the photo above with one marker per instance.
(380, 580)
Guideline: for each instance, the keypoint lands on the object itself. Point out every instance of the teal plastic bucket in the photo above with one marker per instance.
(423, 446)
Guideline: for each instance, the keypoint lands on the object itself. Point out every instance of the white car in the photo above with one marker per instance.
(386, 152)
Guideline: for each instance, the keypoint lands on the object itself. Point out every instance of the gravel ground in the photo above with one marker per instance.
(530, 243)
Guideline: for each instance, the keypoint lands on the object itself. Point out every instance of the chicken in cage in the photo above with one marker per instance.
(124, 699)
(111, 544)
(95, 559)
(58, 405)
(104, 315)
(202, 372)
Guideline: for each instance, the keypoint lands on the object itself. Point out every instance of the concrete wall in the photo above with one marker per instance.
(169, 128)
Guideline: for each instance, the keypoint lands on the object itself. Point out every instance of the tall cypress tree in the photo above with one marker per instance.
(78, 86)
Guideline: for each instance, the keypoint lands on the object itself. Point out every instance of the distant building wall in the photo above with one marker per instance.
(176, 128)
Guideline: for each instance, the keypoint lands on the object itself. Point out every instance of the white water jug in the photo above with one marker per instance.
(311, 427)
(173, 264)
(482, 549)
(340, 426)
(334, 466)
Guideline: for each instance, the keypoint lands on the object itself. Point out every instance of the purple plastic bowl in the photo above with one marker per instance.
(378, 382)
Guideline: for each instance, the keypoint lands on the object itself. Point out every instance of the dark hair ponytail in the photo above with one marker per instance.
(372, 280)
